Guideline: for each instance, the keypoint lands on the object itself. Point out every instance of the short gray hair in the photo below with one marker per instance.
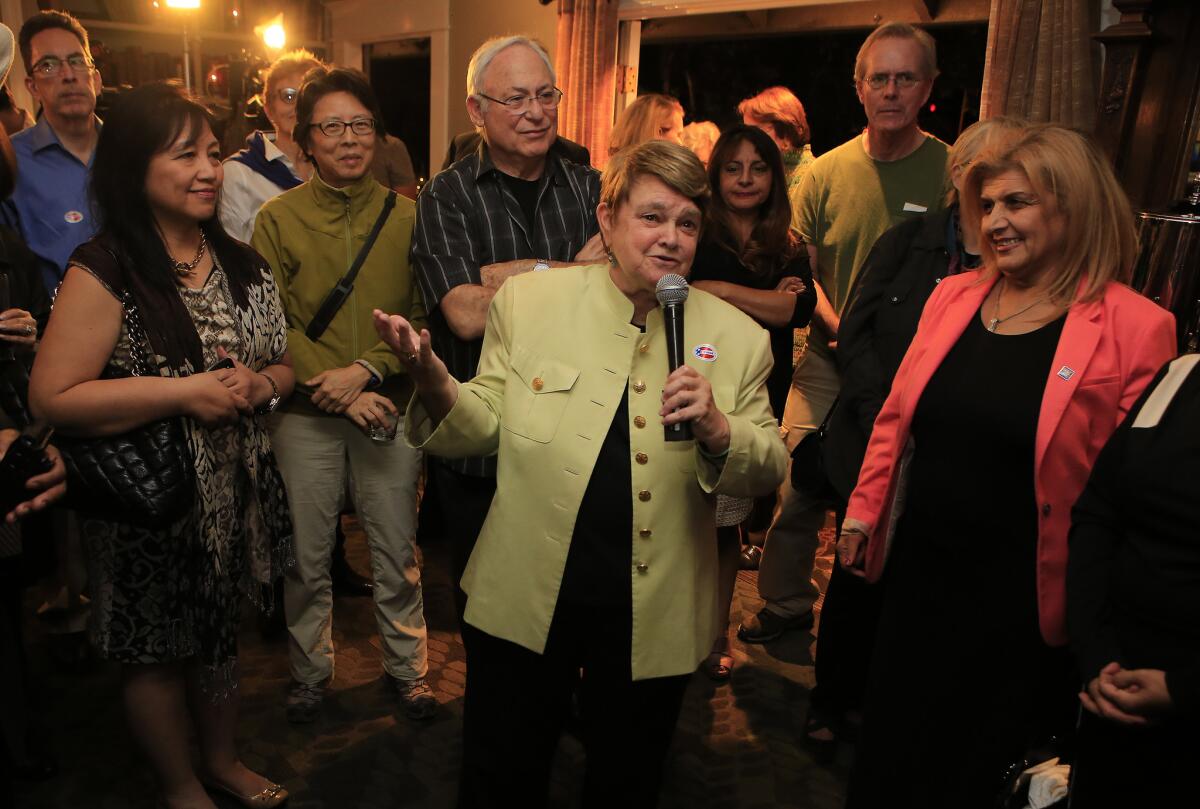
(899, 30)
(490, 49)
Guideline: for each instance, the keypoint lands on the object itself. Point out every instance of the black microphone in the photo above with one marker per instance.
(671, 291)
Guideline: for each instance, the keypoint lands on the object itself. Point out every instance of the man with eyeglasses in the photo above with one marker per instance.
(518, 204)
(271, 163)
(50, 204)
(849, 197)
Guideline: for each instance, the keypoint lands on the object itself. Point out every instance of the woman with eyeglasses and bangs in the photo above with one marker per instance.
(351, 388)
(271, 162)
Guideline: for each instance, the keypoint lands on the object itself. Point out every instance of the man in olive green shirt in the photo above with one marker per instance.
(849, 197)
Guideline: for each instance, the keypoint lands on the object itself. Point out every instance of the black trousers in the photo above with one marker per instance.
(518, 701)
(464, 501)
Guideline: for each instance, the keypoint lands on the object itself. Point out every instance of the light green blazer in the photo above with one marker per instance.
(559, 352)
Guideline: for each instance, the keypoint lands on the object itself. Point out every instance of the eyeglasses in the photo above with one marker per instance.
(877, 81)
(334, 128)
(287, 95)
(51, 66)
(520, 104)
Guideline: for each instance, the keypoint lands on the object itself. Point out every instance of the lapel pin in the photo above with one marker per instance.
(1066, 372)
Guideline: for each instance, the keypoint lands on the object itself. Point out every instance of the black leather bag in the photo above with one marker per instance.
(809, 473)
(145, 476)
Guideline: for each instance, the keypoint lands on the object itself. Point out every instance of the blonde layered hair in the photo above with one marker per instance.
(979, 137)
(677, 167)
(639, 122)
(1067, 172)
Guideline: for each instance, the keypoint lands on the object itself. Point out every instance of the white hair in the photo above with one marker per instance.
(490, 49)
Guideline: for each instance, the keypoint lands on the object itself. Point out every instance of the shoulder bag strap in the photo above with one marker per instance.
(337, 296)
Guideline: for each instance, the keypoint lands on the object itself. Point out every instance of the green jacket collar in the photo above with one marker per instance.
(357, 195)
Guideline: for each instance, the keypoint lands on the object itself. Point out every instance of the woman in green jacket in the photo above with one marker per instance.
(353, 389)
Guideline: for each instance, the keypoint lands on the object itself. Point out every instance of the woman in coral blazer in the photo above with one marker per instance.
(1017, 376)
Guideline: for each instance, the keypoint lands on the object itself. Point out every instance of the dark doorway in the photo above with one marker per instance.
(400, 74)
(710, 78)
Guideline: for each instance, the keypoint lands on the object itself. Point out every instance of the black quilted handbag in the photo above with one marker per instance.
(145, 476)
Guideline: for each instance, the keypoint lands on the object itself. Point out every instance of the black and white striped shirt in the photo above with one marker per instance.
(468, 218)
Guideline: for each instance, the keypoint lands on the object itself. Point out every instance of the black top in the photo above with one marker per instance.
(600, 561)
(1133, 572)
(716, 263)
(526, 192)
(468, 217)
(971, 493)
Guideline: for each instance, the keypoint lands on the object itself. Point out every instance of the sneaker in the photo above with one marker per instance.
(766, 626)
(416, 697)
(304, 702)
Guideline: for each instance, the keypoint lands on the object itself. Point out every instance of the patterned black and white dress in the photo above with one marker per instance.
(171, 594)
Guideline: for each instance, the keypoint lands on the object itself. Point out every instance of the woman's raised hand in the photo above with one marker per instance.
(414, 350)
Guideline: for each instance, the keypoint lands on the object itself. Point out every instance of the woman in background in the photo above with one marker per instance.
(780, 114)
(651, 116)
(749, 257)
(168, 601)
(700, 137)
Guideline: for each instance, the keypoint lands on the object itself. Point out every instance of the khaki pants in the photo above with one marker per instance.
(790, 548)
(315, 454)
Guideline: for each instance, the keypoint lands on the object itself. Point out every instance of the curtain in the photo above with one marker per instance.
(1039, 62)
(585, 61)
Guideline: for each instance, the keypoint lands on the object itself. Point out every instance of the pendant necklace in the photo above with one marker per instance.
(183, 268)
(996, 320)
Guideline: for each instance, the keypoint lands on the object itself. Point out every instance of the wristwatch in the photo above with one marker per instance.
(540, 265)
(273, 402)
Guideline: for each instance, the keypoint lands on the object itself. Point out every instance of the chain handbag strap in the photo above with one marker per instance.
(138, 339)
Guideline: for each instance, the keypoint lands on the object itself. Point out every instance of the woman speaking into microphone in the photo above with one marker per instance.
(599, 553)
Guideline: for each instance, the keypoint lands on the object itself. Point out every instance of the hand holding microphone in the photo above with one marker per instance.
(688, 409)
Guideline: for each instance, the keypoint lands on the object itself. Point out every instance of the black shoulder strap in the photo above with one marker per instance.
(352, 273)
(337, 296)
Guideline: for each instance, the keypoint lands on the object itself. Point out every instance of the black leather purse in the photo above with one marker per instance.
(145, 476)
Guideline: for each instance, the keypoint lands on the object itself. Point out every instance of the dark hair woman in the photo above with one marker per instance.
(342, 430)
(168, 600)
(751, 258)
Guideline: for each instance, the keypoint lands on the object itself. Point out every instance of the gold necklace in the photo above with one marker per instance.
(184, 268)
(996, 319)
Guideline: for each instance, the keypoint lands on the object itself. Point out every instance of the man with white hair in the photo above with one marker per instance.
(516, 205)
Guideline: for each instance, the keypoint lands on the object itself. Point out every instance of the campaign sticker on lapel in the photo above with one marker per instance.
(73, 217)
(1066, 372)
(706, 352)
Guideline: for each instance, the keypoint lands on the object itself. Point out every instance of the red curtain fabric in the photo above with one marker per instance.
(1039, 64)
(585, 61)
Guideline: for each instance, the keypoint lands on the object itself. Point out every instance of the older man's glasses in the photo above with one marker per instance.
(877, 81)
(520, 103)
(333, 128)
(51, 66)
